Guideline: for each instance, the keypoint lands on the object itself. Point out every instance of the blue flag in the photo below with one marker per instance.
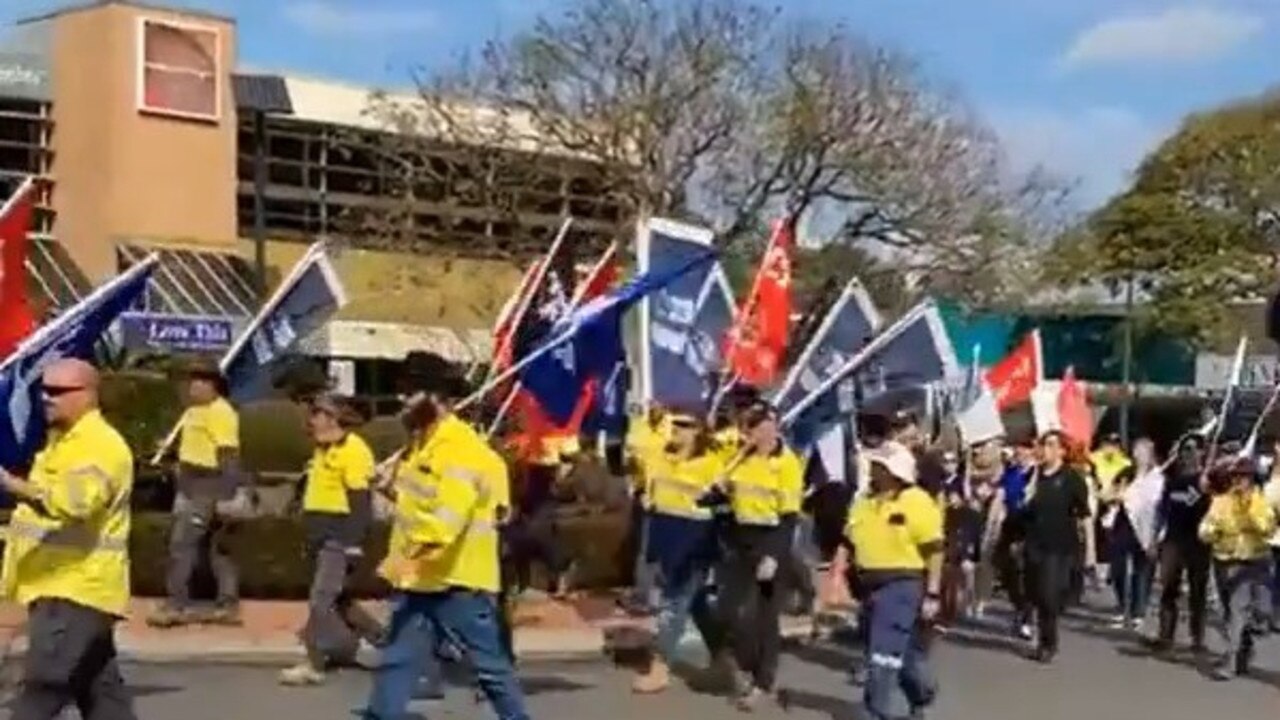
(72, 334)
(904, 361)
(608, 411)
(683, 325)
(587, 344)
(304, 302)
(847, 327)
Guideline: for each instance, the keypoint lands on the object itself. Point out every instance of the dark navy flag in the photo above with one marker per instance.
(846, 328)
(72, 334)
(682, 325)
(906, 359)
(587, 344)
(303, 303)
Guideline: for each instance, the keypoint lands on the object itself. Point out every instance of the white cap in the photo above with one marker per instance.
(897, 459)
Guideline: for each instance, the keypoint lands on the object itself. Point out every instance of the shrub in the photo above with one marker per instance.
(143, 405)
(270, 552)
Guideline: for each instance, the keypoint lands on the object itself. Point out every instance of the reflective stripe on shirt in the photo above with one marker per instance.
(74, 536)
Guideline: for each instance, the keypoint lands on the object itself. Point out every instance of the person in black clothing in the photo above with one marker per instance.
(1056, 510)
(1183, 505)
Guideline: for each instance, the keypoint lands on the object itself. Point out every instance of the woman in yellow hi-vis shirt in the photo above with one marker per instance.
(336, 512)
(763, 492)
(895, 532)
(682, 543)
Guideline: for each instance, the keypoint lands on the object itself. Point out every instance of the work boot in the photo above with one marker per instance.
(302, 675)
(227, 614)
(654, 681)
(166, 616)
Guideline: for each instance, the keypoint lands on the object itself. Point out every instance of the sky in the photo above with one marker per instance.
(1083, 88)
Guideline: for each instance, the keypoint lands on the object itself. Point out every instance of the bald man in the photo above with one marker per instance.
(67, 559)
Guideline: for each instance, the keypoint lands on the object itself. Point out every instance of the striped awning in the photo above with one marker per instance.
(196, 282)
(54, 280)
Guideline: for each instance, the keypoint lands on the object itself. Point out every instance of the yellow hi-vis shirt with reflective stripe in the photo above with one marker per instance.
(676, 483)
(445, 531)
(763, 488)
(345, 466)
(77, 547)
(887, 533)
(205, 430)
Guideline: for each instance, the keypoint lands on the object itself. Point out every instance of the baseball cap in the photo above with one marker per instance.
(897, 459)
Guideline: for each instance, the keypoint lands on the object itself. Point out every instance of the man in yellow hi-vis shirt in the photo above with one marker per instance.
(763, 491)
(443, 558)
(209, 499)
(336, 512)
(896, 534)
(67, 557)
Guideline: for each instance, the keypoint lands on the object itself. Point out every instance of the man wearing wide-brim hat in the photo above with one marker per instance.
(210, 496)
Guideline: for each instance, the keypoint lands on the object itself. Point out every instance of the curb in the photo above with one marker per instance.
(538, 646)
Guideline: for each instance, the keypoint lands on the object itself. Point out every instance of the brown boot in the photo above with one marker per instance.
(166, 616)
(654, 681)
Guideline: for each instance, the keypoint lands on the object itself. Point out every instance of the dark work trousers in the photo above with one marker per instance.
(1008, 561)
(335, 623)
(197, 528)
(750, 611)
(1242, 591)
(71, 660)
(1178, 558)
(535, 537)
(1048, 586)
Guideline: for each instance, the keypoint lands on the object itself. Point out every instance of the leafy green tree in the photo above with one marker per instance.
(1198, 229)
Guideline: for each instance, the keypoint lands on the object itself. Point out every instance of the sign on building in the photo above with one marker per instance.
(176, 333)
(24, 75)
(1213, 370)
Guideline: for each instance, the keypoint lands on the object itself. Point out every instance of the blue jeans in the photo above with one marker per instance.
(468, 620)
(1131, 571)
(896, 655)
(679, 602)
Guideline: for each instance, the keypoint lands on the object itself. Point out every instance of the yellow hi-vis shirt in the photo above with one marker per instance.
(645, 440)
(77, 547)
(888, 533)
(207, 429)
(445, 531)
(1107, 467)
(675, 484)
(763, 488)
(728, 443)
(1239, 527)
(335, 470)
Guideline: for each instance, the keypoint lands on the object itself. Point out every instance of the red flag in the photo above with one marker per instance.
(16, 318)
(1012, 379)
(535, 426)
(1073, 410)
(758, 340)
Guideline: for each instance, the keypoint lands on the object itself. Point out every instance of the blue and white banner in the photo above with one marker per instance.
(182, 333)
(608, 411)
(847, 327)
(905, 360)
(304, 302)
(682, 325)
(72, 334)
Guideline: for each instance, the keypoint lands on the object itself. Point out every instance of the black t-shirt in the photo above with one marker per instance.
(1183, 505)
(1052, 515)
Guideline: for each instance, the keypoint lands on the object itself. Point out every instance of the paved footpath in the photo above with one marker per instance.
(1097, 677)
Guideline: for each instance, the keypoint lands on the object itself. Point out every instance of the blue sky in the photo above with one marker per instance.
(1083, 87)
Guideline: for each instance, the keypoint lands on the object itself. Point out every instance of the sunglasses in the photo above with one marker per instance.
(54, 391)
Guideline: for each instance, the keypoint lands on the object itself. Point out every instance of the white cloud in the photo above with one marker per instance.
(1179, 34)
(330, 18)
(1097, 148)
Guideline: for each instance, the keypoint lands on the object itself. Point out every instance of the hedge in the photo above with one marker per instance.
(269, 551)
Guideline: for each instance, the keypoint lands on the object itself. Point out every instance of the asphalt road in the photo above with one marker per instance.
(1097, 677)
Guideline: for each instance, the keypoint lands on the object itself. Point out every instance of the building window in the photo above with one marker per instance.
(179, 72)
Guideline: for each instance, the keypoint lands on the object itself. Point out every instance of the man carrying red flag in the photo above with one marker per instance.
(758, 341)
(16, 319)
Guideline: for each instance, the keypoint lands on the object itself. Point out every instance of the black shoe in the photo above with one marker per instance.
(1044, 655)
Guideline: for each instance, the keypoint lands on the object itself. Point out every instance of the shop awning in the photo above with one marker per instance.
(393, 341)
(54, 280)
(196, 282)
